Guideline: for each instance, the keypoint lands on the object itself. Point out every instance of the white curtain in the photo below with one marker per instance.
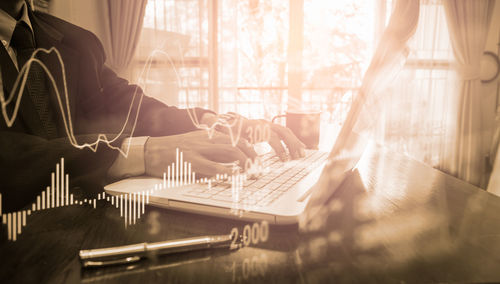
(122, 32)
(431, 111)
(387, 61)
(468, 23)
(367, 108)
(419, 107)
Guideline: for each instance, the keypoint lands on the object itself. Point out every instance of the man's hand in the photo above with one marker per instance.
(260, 130)
(208, 156)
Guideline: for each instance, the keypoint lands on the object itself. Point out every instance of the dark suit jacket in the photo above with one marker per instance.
(99, 102)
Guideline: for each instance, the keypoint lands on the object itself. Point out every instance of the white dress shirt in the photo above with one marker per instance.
(7, 26)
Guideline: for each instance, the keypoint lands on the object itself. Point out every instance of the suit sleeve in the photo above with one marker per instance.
(127, 102)
(153, 117)
(26, 162)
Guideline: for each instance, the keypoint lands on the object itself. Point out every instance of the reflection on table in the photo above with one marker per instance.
(392, 220)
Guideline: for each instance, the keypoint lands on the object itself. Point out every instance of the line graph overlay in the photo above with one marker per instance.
(64, 108)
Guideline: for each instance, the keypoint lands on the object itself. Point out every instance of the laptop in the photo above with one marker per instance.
(278, 195)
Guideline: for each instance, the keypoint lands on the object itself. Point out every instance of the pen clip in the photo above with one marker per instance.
(94, 263)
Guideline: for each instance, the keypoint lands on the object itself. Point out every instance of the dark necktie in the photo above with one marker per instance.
(22, 41)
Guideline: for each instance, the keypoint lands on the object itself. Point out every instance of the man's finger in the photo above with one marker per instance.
(275, 143)
(294, 145)
(247, 148)
(241, 143)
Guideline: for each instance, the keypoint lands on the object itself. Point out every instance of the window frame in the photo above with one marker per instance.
(209, 9)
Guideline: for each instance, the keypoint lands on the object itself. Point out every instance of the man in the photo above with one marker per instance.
(45, 130)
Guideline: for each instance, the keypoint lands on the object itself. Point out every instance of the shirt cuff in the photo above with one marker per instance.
(133, 164)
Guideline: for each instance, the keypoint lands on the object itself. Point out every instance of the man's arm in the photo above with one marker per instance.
(134, 164)
(154, 117)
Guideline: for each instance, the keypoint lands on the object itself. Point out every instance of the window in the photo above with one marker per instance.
(174, 39)
(257, 57)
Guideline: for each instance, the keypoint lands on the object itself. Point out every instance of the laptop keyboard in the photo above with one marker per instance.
(278, 177)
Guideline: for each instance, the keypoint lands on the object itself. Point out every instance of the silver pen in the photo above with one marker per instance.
(132, 253)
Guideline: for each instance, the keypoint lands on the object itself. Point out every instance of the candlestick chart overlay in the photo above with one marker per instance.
(131, 205)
